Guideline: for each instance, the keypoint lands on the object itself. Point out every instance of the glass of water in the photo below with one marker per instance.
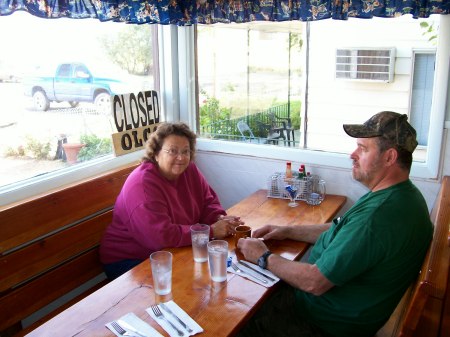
(316, 191)
(217, 257)
(161, 263)
(200, 239)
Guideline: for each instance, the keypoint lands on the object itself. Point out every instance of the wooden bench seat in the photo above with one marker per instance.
(423, 310)
(49, 245)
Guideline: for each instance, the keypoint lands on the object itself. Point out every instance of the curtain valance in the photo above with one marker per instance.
(187, 12)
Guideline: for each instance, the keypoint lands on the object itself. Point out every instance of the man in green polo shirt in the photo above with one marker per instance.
(361, 263)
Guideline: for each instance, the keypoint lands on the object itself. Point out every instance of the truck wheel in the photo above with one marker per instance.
(40, 101)
(102, 103)
(73, 104)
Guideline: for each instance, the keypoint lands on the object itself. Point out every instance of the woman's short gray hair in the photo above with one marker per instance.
(154, 143)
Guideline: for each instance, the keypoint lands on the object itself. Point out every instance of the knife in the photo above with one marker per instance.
(256, 270)
(166, 308)
(128, 327)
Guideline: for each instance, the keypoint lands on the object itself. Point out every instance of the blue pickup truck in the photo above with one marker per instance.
(72, 83)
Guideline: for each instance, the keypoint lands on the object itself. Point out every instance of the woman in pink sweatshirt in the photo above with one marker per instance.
(159, 201)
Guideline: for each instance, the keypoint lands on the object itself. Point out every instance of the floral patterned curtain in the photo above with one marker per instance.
(188, 12)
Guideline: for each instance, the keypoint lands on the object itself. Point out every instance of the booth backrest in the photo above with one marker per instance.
(49, 245)
(421, 311)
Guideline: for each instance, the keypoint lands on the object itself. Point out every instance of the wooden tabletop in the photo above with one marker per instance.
(220, 308)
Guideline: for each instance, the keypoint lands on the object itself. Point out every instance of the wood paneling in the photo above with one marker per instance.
(49, 244)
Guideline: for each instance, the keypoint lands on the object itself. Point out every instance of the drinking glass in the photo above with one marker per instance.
(292, 188)
(217, 256)
(241, 232)
(316, 191)
(200, 239)
(161, 263)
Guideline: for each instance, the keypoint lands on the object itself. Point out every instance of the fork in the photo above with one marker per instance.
(160, 315)
(240, 271)
(176, 317)
(121, 331)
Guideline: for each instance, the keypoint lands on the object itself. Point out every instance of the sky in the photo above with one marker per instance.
(30, 35)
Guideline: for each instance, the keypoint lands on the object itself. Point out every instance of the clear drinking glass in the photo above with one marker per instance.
(316, 191)
(217, 256)
(161, 263)
(200, 239)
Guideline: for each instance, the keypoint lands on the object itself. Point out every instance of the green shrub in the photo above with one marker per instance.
(38, 149)
(211, 111)
(95, 147)
(295, 114)
(15, 152)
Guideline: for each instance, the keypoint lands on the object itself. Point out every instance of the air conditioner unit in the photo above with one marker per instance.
(365, 64)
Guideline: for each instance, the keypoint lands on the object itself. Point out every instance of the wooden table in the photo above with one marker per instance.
(220, 308)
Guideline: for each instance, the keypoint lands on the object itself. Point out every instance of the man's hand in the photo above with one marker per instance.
(271, 232)
(304, 276)
(252, 248)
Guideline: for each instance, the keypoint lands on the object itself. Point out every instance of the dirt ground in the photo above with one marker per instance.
(13, 169)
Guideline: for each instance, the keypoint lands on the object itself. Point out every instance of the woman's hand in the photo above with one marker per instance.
(225, 226)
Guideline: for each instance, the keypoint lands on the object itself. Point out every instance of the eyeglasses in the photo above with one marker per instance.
(175, 153)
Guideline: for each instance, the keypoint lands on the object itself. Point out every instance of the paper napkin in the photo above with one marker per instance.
(137, 323)
(181, 314)
(254, 276)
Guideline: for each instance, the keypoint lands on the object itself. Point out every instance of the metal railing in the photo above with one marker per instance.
(227, 129)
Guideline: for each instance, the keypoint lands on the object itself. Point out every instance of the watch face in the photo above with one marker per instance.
(262, 262)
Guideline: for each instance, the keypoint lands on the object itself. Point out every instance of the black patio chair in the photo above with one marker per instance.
(270, 133)
(284, 125)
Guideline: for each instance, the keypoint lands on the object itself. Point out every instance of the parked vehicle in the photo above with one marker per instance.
(73, 83)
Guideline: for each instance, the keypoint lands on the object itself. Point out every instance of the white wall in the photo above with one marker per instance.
(330, 100)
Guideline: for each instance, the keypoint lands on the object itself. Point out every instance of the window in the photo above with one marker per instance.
(64, 70)
(422, 92)
(305, 77)
(277, 66)
(56, 90)
(251, 73)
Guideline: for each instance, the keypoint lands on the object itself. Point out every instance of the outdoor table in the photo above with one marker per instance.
(221, 309)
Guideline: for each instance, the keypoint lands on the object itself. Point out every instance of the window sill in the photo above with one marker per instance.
(42, 184)
(320, 158)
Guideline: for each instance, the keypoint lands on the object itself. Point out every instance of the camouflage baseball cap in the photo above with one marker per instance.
(387, 124)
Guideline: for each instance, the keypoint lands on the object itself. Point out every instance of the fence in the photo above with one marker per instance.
(227, 129)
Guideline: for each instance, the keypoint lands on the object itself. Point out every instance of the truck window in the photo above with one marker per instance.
(64, 70)
(81, 72)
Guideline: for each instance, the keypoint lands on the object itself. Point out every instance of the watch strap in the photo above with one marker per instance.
(263, 258)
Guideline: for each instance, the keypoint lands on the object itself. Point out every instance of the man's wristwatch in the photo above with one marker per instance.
(262, 261)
